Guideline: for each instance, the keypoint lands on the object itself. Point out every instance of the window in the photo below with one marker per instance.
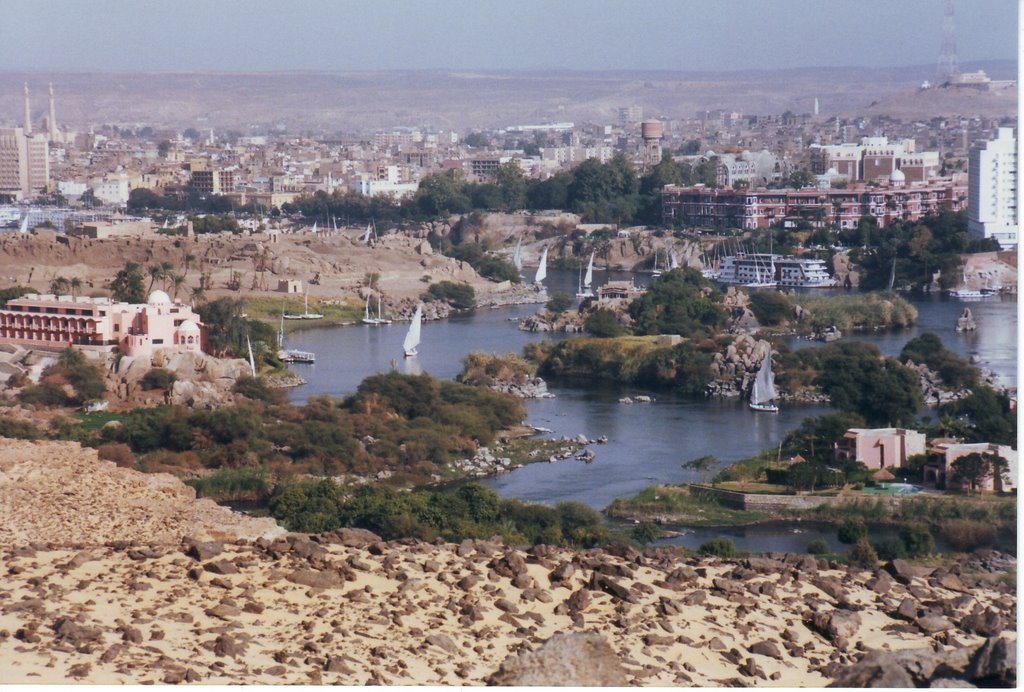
(158, 341)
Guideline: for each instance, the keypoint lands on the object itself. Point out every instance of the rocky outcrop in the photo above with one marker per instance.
(966, 323)
(581, 659)
(734, 369)
(529, 388)
(569, 322)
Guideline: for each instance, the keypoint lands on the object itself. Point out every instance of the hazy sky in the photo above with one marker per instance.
(262, 35)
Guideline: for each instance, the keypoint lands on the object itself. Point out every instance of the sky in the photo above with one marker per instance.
(345, 35)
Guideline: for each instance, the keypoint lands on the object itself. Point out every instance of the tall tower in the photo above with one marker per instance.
(948, 64)
(651, 132)
(51, 123)
(28, 117)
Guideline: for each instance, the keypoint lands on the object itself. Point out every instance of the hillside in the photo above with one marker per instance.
(131, 602)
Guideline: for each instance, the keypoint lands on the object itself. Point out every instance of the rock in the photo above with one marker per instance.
(225, 645)
(221, 567)
(223, 611)
(317, 579)
(577, 660)
(988, 623)
(837, 625)
(443, 642)
(966, 323)
(930, 624)
(907, 609)
(562, 573)
(904, 572)
(950, 682)
(610, 586)
(204, 551)
(352, 538)
(994, 664)
(336, 664)
(76, 634)
(509, 565)
(766, 648)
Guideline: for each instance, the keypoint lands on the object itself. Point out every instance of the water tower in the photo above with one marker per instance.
(652, 132)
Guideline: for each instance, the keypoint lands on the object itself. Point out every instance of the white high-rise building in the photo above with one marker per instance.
(24, 163)
(992, 190)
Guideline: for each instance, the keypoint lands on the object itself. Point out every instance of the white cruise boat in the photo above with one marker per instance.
(761, 269)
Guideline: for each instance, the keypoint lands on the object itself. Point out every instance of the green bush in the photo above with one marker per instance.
(158, 378)
(602, 323)
(19, 430)
(771, 308)
(917, 540)
(459, 296)
(817, 547)
(559, 303)
(718, 547)
(851, 531)
(890, 548)
(645, 532)
(862, 555)
(965, 534)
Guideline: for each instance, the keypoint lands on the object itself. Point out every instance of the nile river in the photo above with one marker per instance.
(647, 443)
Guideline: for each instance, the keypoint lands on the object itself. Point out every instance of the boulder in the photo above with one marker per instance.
(838, 626)
(582, 659)
(994, 664)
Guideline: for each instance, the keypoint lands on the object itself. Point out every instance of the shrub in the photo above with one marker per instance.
(770, 307)
(117, 452)
(559, 302)
(645, 532)
(256, 389)
(862, 555)
(459, 296)
(917, 540)
(817, 547)
(158, 378)
(965, 535)
(851, 531)
(890, 548)
(19, 430)
(719, 547)
(603, 323)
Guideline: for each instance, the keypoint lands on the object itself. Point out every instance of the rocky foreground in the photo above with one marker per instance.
(348, 608)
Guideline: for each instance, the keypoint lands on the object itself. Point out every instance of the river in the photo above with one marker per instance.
(647, 443)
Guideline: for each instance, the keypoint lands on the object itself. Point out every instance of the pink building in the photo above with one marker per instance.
(56, 322)
(878, 448)
(944, 452)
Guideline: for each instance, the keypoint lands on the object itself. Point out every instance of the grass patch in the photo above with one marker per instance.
(345, 311)
(97, 419)
(675, 504)
(878, 310)
(252, 484)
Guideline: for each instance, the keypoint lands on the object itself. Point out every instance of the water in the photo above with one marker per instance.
(894, 489)
(783, 537)
(647, 442)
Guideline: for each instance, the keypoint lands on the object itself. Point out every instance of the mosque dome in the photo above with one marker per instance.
(158, 297)
(188, 327)
(897, 176)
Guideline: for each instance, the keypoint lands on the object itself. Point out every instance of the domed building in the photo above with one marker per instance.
(137, 329)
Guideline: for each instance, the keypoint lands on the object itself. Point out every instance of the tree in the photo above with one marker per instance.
(75, 285)
(645, 532)
(559, 303)
(701, 465)
(512, 183)
(127, 285)
(976, 468)
(163, 148)
(603, 323)
(59, 286)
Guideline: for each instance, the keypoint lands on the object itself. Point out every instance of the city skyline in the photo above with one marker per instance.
(258, 35)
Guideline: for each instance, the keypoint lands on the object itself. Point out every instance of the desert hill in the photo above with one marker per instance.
(130, 602)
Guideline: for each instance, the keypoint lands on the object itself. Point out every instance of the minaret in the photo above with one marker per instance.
(28, 118)
(52, 122)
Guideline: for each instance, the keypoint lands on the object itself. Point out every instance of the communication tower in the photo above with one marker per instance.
(948, 64)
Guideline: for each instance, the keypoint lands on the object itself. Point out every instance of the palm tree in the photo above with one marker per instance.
(75, 284)
(198, 294)
(166, 273)
(155, 272)
(177, 281)
(59, 286)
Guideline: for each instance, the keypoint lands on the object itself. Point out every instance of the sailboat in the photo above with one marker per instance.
(290, 355)
(763, 393)
(314, 228)
(517, 256)
(892, 272)
(672, 263)
(367, 319)
(306, 314)
(24, 224)
(380, 314)
(542, 270)
(252, 361)
(584, 289)
(366, 236)
(656, 272)
(412, 337)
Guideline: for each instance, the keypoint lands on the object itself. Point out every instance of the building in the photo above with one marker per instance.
(209, 181)
(57, 322)
(943, 453)
(878, 448)
(100, 230)
(749, 169)
(992, 190)
(875, 158)
(761, 208)
(113, 191)
(24, 163)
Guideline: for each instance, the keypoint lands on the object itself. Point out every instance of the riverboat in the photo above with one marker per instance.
(765, 269)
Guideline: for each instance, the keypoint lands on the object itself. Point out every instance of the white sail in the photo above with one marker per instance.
(366, 236)
(517, 256)
(24, 224)
(542, 270)
(280, 333)
(252, 361)
(763, 391)
(314, 226)
(588, 278)
(672, 263)
(412, 337)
